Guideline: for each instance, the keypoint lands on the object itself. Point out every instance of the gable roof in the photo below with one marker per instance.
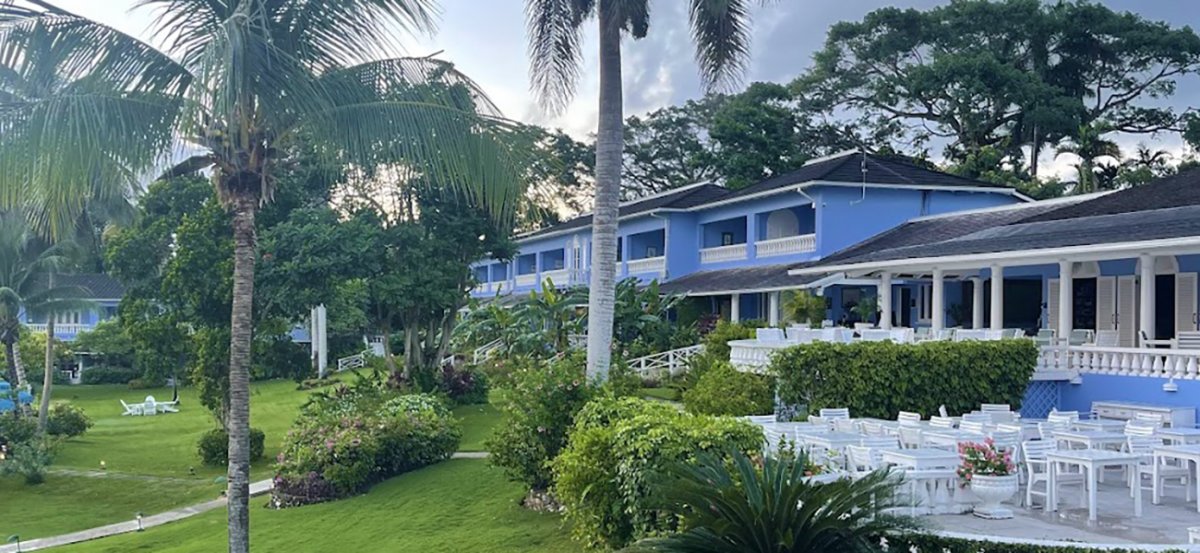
(848, 167)
(762, 278)
(679, 198)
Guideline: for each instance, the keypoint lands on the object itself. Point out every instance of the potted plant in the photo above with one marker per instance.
(866, 309)
(991, 475)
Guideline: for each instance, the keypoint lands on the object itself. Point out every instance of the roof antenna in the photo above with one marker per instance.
(863, 168)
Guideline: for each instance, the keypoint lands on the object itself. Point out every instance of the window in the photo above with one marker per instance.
(925, 302)
(67, 318)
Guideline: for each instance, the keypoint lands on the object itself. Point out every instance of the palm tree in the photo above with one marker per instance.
(27, 268)
(721, 32)
(240, 81)
(774, 509)
(1089, 146)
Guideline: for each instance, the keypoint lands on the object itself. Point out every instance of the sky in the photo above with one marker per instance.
(486, 40)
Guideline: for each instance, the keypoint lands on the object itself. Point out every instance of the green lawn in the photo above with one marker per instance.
(454, 506)
(663, 394)
(477, 424)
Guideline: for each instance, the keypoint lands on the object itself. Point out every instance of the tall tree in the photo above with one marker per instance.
(1090, 148)
(721, 34)
(239, 79)
(1007, 72)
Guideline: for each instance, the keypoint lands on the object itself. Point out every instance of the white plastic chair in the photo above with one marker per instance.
(995, 407)
(1152, 418)
(1141, 429)
(1037, 472)
(870, 428)
(941, 422)
(849, 426)
(911, 437)
(149, 407)
(862, 459)
(836, 413)
(976, 417)
(135, 409)
(1069, 417)
(1047, 429)
(908, 417)
(971, 426)
(1107, 339)
(881, 442)
(1144, 446)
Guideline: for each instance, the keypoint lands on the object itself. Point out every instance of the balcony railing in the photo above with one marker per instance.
(1147, 362)
(560, 277)
(736, 252)
(527, 280)
(802, 243)
(648, 265)
(61, 331)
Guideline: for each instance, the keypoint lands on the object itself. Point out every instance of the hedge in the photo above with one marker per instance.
(724, 390)
(880, 379)
(930, 543)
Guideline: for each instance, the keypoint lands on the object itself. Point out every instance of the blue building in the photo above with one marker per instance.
(104, 292)
(734, 247)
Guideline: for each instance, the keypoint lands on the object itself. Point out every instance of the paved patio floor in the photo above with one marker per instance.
(1166, 523)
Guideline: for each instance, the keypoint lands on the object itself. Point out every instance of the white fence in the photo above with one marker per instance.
(1148, 362)
(648, 265)
(667, 363)
(61, 331)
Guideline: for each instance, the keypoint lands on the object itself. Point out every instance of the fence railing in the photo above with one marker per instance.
(351, 362)
(736, 252)
(1147, 362)
(667, 363)
(482, 353)
(788, 244)
(61, 331)
(648, 265)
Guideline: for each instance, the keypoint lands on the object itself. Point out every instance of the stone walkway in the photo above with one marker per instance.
(256, 488)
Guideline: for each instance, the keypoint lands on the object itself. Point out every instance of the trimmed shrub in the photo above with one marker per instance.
(716, 343)
(110, 375)
(67, 420)
(30, 460)
(466, 385)
(880, 379)
(617, 450)
(213, 446)
(352, 437)
(724, 390)
(539, 407)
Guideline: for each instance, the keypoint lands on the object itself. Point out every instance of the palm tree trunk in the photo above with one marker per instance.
(10, 355)
(18, 366)
(48, 375)
(609, 144)
(241, 329)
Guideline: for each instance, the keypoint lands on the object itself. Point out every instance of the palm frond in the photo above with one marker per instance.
(330, 34)
(721, 33)
(555, 29)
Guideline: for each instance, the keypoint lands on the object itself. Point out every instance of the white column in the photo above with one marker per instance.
(997, 297)
(312, 340)
(321, 340)
(1146, 310)
(885, 300)
(976, 302)
(735, 308)
(1066, 317)
(773, 308)
(939, 299)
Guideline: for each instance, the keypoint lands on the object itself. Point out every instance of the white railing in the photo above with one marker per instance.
(648, 265)
(577, 341)
(527, 280)
(351, 362)
(787, 245)
(1147, 362)
(561, 277)
(61, 331)
(485, 351)
(736, 252)
(667, 363)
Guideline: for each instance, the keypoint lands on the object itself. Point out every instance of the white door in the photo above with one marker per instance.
(1127, 325)
(1106, 303)
(1185, 302)
(1052, 304)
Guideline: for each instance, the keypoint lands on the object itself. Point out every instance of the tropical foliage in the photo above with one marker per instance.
(723, 390)
(736, 504)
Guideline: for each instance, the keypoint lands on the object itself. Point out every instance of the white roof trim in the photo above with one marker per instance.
(1064, 200)
(1041, 256)
(742, 291)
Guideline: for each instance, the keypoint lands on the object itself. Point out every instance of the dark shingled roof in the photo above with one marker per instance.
(98, 285)
(881, 169)
(682, 198)
(764, 277)
(1166, 208)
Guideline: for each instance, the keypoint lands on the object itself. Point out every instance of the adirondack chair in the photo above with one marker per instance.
(1107, 339)
(135, 409)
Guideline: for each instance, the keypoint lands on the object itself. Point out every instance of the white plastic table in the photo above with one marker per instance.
(920, 458)
(952, 437)
(1180, 436)
(1183, 453)
(1092, 439)
(832, 441)
(1093, 462)
(1101, 425)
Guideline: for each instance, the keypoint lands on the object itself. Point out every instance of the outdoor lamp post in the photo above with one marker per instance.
(17, 540)
(139, 521)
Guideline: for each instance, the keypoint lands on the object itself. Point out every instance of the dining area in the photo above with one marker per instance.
(1068, 468)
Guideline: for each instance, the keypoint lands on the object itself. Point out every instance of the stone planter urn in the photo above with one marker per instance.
(991, 492)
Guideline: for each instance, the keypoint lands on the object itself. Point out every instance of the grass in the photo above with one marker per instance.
(477, 424)
(70, 503)
(458, 505)
(664, 393)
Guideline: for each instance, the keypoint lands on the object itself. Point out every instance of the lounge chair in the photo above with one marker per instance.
(135, 409)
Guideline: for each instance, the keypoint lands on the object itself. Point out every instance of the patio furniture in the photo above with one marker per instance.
(846, 425)
(1154, 418)
(1145, 341)
(1140, 428)
(995, 407)
(952, 437)
(1159, 475)
(1106, 339)
(760, 419)
(7, 405)
(1179, 436)
(1092, 439)
(941, 422)
(881, 442)
(862, 459)
(1174, 415)
(149, 407)
(1037, 471)
(921, 334)
(831, 414)
(1102, 425)
(1185, 454)
(976, 417)
(911, 437)
(908, 416)
(135, 409)
(1045, 337)
(1079, 337)
(1093, 462)
(971, 426)
(1063, 416)
(875, 335)
(921, 458)
(25, 397)
(945, 334)
(1189, 339)
(1194, 534)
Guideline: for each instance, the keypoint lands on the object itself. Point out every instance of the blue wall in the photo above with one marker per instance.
(1108, 387)
(715, 230)
(553, 259)
(527, 264)
(639, 244)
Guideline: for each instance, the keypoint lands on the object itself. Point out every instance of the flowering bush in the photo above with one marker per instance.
(539, 406)
(984, 460)
(466, 385)
(352, 437)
